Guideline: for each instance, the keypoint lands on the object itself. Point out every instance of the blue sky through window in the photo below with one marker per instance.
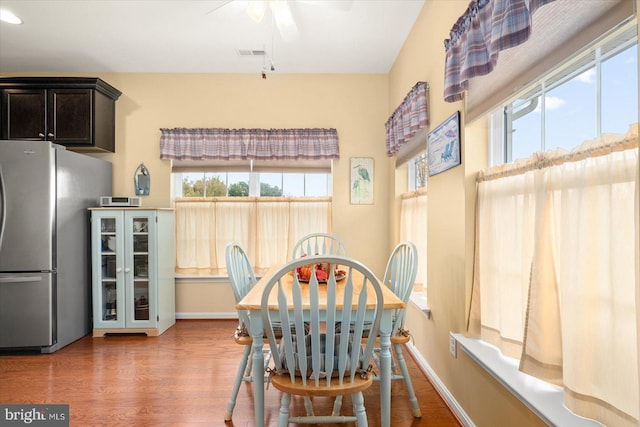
(571, 108)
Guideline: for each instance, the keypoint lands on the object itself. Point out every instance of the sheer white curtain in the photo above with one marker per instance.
(504, 247)
(266, 228)
(413, 227)
(555, 275)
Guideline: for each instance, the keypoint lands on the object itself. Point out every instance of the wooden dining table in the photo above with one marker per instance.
(252, 302)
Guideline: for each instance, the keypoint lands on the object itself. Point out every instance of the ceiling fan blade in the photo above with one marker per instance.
(257, 9)
(283, 19)
(344, 5)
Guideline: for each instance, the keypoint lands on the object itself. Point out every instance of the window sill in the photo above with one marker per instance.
(419, 299)
(184, 278)
(544, 399)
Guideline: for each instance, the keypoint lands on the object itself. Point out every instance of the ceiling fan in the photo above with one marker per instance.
(280, 11)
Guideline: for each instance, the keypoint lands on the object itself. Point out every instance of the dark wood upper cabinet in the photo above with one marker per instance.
(76, 112)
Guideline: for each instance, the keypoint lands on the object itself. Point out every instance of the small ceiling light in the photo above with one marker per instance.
(9, 17)
(257, 9)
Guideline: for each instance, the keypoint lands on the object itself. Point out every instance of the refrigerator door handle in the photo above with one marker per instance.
(17, 279)
(3, 207)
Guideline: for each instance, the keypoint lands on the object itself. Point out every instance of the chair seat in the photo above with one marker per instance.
(283, 383)
(243, 337)
(400, 339)
(323, 346)
(277, 329)
(365, 328)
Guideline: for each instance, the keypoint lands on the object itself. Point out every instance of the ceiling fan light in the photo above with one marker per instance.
(281, 13)
(257, 9)
(9, 17)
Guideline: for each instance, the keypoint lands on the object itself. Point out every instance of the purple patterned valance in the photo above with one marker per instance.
(411, 116)
(486, 28)
(248, 144)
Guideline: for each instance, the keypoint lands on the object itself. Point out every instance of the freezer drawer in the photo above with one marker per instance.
(26, 318)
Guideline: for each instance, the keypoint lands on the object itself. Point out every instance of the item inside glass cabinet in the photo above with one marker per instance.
(140, 226)
(110, 306)
(142, 308)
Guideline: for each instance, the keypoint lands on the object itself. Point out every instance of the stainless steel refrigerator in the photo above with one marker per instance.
(45, 281)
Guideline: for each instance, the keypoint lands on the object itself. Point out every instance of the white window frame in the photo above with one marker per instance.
(254, 179)
(500, 150)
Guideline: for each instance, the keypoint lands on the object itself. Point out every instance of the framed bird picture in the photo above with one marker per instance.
(361, 180)
(443, 145)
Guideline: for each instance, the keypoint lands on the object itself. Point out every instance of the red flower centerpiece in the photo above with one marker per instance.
(322, 272)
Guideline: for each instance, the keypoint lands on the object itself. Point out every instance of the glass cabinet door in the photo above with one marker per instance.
(109, 296)
(124, 282)
(140, 232)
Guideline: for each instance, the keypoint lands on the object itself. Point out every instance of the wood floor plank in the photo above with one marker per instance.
(181, 378)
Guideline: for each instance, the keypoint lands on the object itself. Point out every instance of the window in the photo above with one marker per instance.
(417, 169)
(265, 184)
(556, 231)
(265, 211)
(413, 221)
(595, 94)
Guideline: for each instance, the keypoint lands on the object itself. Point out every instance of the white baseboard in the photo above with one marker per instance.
(441, 388)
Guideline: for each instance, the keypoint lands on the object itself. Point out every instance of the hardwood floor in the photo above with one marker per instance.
(182, 378)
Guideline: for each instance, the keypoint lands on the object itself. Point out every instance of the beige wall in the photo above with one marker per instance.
(356, 105)
(353, 104)
(450, 228)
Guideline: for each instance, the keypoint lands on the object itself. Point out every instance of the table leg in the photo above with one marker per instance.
(385, 369)
(258, 367)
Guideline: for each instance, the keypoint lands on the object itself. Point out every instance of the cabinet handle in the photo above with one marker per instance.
(127, 270)
(50, 135)
(16, 279)
(118, 270)
(41, 135)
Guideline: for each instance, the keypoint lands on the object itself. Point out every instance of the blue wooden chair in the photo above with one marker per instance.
(319, 244)
(242, 280)
(325, 362)
(400, 276)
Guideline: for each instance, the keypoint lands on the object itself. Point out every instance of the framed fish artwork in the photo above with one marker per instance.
(443, 145)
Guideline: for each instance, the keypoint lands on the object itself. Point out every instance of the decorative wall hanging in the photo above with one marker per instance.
(142, 180)
(411, 116)
(476, 39)
(443, 145)
(361, 180)
(252, 144)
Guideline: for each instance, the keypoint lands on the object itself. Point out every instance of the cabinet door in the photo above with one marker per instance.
(141, 280)
(70, 113)
(107, 248)
(24, 114)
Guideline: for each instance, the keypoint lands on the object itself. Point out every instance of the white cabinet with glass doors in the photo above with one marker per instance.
(133, 270)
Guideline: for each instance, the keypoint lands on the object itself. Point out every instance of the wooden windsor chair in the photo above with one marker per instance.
(326, 362)
(400, 274)
(242, 280)
(319, 244)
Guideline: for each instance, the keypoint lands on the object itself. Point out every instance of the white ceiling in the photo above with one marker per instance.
(202, 36)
